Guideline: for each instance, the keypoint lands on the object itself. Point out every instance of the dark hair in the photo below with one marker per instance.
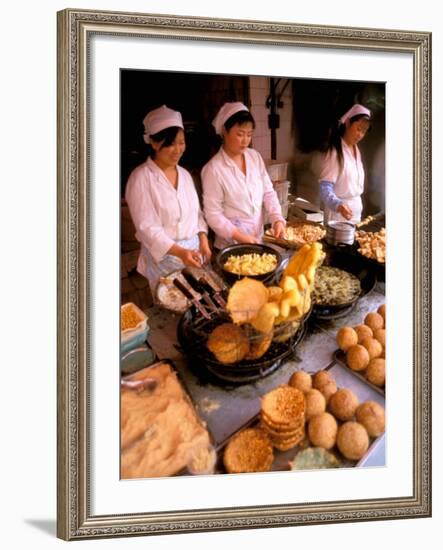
(167, 136)
(240, 118)
(337, 134)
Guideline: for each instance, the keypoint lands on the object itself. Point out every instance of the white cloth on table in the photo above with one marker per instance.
(162, 215)
(233, 200)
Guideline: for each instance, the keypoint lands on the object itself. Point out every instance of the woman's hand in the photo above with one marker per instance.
(245, 238)
(190, 258)
(205, 250)
(345, 211)
(278, 229)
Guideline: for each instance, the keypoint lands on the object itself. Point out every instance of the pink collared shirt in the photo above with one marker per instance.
(161, 214)
(234, 200)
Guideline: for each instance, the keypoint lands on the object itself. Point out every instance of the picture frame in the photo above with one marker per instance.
(77, 208)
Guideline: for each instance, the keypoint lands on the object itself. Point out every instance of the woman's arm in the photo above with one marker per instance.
(270, 201)
(204, 247)
(147, 223)
(331, 200)
(213, 204)
(328, 196)
(187, 256)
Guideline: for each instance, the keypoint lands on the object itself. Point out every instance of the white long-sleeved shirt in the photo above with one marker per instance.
(161, 214)
(233, 200)
(341, 185)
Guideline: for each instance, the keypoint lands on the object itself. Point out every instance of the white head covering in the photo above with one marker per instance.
(353, 111)
(226, 112)
(159, 119)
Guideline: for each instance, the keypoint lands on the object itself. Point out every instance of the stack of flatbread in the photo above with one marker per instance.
(282, 417)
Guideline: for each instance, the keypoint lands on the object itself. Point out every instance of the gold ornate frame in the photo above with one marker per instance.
(75, 27)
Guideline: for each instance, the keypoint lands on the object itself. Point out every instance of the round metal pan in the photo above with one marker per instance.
(339, 258)
(240, 250)
(192, 340)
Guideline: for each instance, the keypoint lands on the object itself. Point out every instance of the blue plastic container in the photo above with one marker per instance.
(136, 336)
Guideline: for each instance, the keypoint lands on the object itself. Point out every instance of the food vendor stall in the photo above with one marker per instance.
(208, 393)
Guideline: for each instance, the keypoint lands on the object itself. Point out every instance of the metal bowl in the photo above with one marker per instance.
(340, 232)
(240, 250)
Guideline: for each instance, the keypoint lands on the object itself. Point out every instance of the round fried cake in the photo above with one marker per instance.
(314, 458)
(284, 406)
(283, 430)
(248, 451)
(228, 343)
(258, 346)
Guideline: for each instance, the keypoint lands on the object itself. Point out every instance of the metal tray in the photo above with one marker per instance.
(340, 357)
(344, 377)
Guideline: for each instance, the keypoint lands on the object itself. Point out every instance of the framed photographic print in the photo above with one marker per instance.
(162, 431)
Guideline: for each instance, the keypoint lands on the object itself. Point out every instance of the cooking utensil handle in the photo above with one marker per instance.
(220, 301)
(191, 279)
(187, 293)
(199, 287)
(145, 383)
(214, 292)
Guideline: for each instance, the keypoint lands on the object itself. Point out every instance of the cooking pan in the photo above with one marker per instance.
(192, 336)
(338, 257)
(240, 250)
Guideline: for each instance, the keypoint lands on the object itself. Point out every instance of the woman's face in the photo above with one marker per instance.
(356, 131)
(238, 138)
(170, 155)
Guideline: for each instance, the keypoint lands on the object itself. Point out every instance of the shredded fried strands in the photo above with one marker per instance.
(334, 286)
(304, 233)
(372, 245)
(251, 264)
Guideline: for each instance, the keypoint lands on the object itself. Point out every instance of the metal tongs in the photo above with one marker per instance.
(206, 287)
(188, 294)
(200, 288)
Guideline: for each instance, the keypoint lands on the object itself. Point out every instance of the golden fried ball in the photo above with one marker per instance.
(343, 404)
(375, 349)
(375, 372)
(357, 357)
(320, 378)
(322, 430)
(352, 440)
(374, 321)
(346, 337)
(301, 380)
(315, 403)
(324, 382)
(363, 331)
(382, 311)
(380, 335)
(372, 416)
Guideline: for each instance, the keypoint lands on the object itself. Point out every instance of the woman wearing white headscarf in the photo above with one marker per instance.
(163, 202)
(236, 186)
(341, 174)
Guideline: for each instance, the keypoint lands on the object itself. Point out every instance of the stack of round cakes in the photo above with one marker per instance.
(282, 417)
